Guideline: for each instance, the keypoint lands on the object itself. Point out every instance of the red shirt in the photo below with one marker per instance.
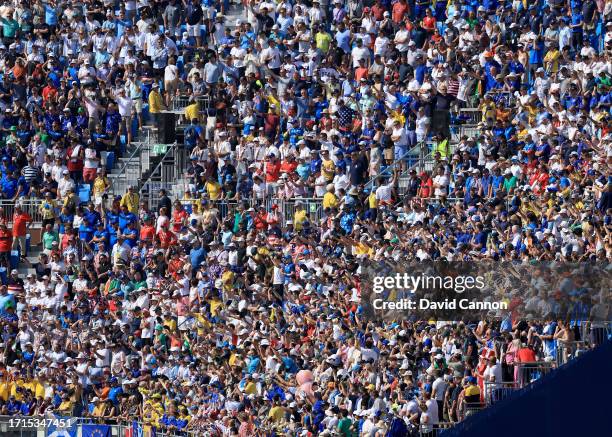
(179, 217)
(147, 233)
(426, 185)
(260, 221)
(273, 171)
(75, 163)
(526, 355)
(399, 10)
(271, 122)
(19, 223)
(6, 240)
(49, 92)
(378, 11)
(429, 23)
(166, 238)
(288, 167)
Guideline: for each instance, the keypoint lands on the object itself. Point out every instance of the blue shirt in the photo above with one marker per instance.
(126, 218)
(343, 38)
(197, 256)
(114, 393)
(50, 15)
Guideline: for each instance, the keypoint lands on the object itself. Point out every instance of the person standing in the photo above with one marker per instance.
(156, 103)
(21, 223)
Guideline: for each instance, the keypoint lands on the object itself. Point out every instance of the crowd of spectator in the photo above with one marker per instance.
(195, 318)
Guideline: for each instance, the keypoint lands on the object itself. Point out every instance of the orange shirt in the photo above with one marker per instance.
(6, 240)
(19, 223)
(398, 12)
(288, 167)
(18, 71)
(272, 171)
(361, 72)
(147, 233)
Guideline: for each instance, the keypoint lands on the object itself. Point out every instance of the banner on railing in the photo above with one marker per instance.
(96, 431)
(56, 430)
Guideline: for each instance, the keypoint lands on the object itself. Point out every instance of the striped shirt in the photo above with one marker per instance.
(29, 173)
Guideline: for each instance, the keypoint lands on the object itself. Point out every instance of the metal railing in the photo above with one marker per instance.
(31, 206)
(468, 130)
(470, 408)
(131, 168)
(170, 168)
(568, 350)
(180, 102)
(434, 430)
(498, 391)
(527, 373)
(286, 207)
(418, 152)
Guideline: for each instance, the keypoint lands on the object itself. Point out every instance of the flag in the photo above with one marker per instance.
(134, 431)
(62, 431)
(96, 431)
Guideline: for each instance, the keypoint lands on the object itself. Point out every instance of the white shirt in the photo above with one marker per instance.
(91, 160)
(103, 357)
(271, 55)
(63, 185)
(442, 182)
(438, 388)
(432, 410)
(381, 45)
(359, 53)
(170, 73)
(383, 193)
(124, 105)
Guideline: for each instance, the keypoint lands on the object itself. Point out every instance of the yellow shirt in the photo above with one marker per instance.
(98, 410)
(4, 390)
(298, 219)
(250, 388)
(372, 202)
(362, 249)
(328, 169)
(274, 101)
(323, 39)
(442, 148)
(276, 413)
(66, 407)
(170, 323)
(330, 200)
(192, 112)
(472, 390)
(228, 280)
(14, 386)
(552, 59)
(214, 190)
(47, 209)
(155, 102)
(99, 185)
(131, 201)
(488, 111)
